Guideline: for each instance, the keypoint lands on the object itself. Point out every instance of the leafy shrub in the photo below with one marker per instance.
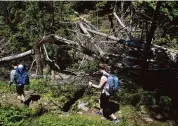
(39, 85)
(13, 116)
(136, 97)
(91, 65)
(165, 102)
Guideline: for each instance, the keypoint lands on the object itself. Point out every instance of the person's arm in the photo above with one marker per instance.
(101, 84)
(12, 76)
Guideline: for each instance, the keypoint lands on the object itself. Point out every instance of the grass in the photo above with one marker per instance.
(44, 113)
(63, 120)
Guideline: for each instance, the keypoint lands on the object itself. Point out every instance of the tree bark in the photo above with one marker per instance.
(39, 69)
(149, 37)
(86, 32)
(53, 78)
(103, 35)
(85, 21)
(8, 58)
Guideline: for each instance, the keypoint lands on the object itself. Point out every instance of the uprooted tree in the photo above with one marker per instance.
(88, 40)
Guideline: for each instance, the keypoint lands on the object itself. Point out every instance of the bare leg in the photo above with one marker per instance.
(101, 110)
(23, 97)
(113, 116)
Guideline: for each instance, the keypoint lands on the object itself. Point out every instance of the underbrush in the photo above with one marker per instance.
(13, 116)
(65, 120)
(133, 104)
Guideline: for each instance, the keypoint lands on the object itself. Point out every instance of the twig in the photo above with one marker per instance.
(82, 62)
(52, 61)
(47, 54)
(31, 66)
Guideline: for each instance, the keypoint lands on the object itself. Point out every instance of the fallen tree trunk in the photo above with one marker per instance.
(103, 35)
(149, 37)
(87, 22)
(92, 39)
(8, 58)
(172, 54)
(84, 29)
(119, 20)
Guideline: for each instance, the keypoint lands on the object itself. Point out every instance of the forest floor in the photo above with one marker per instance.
(55, 106)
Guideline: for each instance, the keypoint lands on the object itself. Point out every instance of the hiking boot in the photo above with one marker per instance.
(99, 113)
(116, 120)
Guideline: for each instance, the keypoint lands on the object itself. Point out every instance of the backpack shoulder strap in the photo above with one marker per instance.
(105, 75)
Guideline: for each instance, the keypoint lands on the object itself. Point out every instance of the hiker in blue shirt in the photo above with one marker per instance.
(14, 78)
(105, 95)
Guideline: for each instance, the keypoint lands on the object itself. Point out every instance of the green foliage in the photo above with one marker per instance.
(167, 41)
(167, 19)
(25, 22)
(13, 116)
(101, 4)
(136, 97)
(39, 85)
(170, 9)
(37, 113)
(72, 120)
(92, 65)
(165, 102)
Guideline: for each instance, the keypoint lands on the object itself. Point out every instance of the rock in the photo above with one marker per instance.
(83, 106)
(45, 103)
(35, 76)
(80, 113)
(147, 119)
(159, 117)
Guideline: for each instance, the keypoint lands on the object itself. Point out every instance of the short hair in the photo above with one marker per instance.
(14, 63)
(102, 66)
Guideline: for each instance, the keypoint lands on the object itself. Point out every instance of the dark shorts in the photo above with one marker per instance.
(20, 90)
(105, 105)
(104, 100)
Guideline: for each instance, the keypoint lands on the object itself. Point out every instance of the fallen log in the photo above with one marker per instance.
(8, 58)
(103, 35)
(86, 32)
(87, 22)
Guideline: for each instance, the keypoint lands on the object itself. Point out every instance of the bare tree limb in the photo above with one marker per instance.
(119, 20)
(2, 40)
(87, 22)
(31, 66)
(84, 29)
(52, 61)
(81, 62)
(103, 35)
(86, 32)
(77, 32)
(8, 58)
(47, 54)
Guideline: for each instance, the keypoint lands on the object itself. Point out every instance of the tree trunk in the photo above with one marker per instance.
(103, 34)
(39, 69)
(149, 37)
(53, 78)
